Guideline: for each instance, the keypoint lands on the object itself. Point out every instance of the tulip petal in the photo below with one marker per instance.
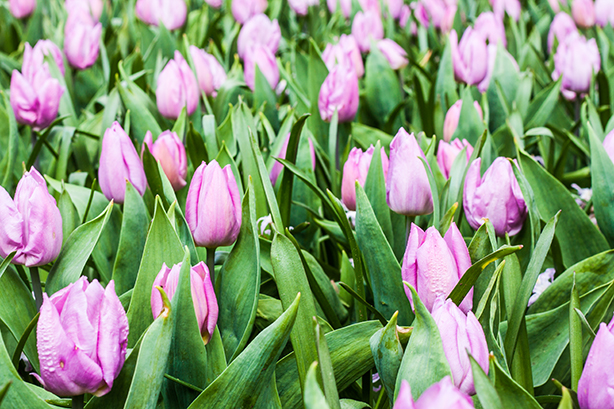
(11, 230)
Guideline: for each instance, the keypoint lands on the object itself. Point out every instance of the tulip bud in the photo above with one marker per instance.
(94, 7)
(31, 223)
(243, 10)
(561, 27)
(267, 64)
(345, 52)
(367, 27)
(408, 191)
(82, 336)
(172, 13)
(34, 58)
(119, 163)
(278, 167)
(511, 7)
(355, 169)
(35, 95)
(469, 57)
(405, 16)
(394, 53)
(491, 28)
(213, 206)
(81, 39)
(448, 152)
(346, 6)
(495, 196)
(440, 12)
(555, 5)
(170, 153)
(203, 296)
(215, 3)
(422, 14)
(440, 395)
(461, 335)
(434, 265)
(177, 88)
(22, 8)
(258, 31)
(209, 71)
(300, 6)
(604, 12)
(339, 92)
(583, 12)
(450, 123)
(594, 390)
(576, 60)
(394, 8)
(370, 6)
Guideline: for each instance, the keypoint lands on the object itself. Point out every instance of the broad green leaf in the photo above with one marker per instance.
(70, 216)
(10, 155)
(503, 87)
(602, 182)
(265, 95)
(383, 92)
(325, 367)
(511, 394)
(388, 354)
(313, 397)
(142, 120)
(575, 338)
(445, 86)
(543, 105)
(470, 126)
(567, 401)
(484, 389)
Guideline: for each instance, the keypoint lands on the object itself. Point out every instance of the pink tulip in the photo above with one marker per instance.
(346, 6)
(259, 31)
(82, 336)
(215, 3)
(555, 5)
(119, 163)
(346, 52)
(171, 13)
(203, 295)
(278, 167)
(243, 10)
(370, 6)
(434, 265)
(31, 223)
(177, 88)
(441, 395)
(491, 28)
(300, 6)
(405, 16)
(583, 12)
(213, 206)
(394, 53)
(267, 64)
(452, 117)
(34, 58)
(576, 60)
(394, 8)
(355, 169)
(604, 12)
(209, 71)
(170, 154)
(94, 7)
(608, 144)
(440, 12)
(81, 39)
(367, 27)
(511, 7)
(469, 57)
(562, 26)
(339, 93)
(22, 8)
(448, 152)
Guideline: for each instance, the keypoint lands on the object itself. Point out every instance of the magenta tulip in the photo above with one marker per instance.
(203, 296)
(394, 53)
(243, 10)
(355, 169)
(267, 64)
(339, 93)
(259, 31)
(345, 52)
(119, 162)
(81, 39)
(177, 88)
(209, 71)
(583, 12)
(408, 191)
(171, 13)
(22, 8)
(433, 265)
(213, 206)
(577, 60)
(278, 167)
(448, 152)
(469, 57)
(31, 223)
(441, 395)
(450, 123)
(346, 6)
(365, 28)
(562, 26)
(595, 386)
(604, 12)
(82, 336)
(170, 154)
(94, 7)
(501, 7)
(491, 28)
(495, 196)
(461, 335)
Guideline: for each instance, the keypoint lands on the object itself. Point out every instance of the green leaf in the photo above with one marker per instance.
(313, 397)
(543, 105)
(511, 394)
(602, 182)
(265, 95)
(4, 389)
(470, 126)
(76, 251)
(383, 92)
(209, 135)
(253, 369)
(388, 355)
(502, 90)
(484, 389)
(325, 369)
(575, 338)
(7, 165)
(567, 401)
(445, 86)
(424, 362)
(70, 216)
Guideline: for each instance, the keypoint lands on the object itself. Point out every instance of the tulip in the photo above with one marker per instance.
(203, 296)
(394, 53)
(81, 39)
(421, 13)
(177, 88)
(367, 27)
(495, 196)
(119, 162)
(452, 117)
(604, 12)
(300, 6)
(213, 206)
(82, 336)
(345, 52)
(576, 60)
(440, 12)
(595, 386)
(434, 265)
(562, 26)
(491, 28)
(209, 71)
(583, 12)
(469, 57)
(511, 7)
(346, 6)
(243, 10)
(170, 153)
(339, 93)
(608, 144)
(355, 169)
(441, 395)
(94, 7)
(404, 16)
(278, 167)
(448, 152)
(34, 58)
(258, 31)
(408, 191)
(31, 223)
(461, 334)
(171, 13)
(22, 8)
(35, 95)
(394, 8)
(215, 3)
(555, 5)
(492, 51)
(267, 64)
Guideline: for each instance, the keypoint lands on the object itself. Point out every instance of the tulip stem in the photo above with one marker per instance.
(36, 286)
(211, 264)
(77, 402)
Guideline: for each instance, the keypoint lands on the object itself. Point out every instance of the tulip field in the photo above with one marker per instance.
(319, 204)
